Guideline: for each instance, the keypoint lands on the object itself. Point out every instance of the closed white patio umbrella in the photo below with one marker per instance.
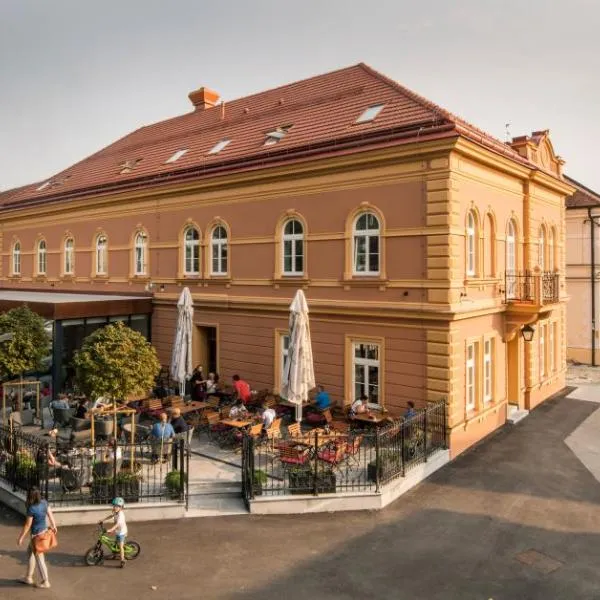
(298, 371)
(181, 357)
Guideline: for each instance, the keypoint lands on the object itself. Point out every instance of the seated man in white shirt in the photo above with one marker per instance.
(360, 406)
(238, 410)
(267, 417)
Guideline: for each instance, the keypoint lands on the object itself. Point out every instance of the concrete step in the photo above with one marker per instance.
(515, 414)
(226, 488)
(216, 505)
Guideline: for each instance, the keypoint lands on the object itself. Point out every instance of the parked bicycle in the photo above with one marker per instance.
(95, 555)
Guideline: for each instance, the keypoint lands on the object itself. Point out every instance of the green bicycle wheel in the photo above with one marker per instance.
(94, 557)
(132, 550)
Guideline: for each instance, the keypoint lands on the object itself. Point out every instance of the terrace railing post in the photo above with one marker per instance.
(114, 477)
(445, 431)
(187, 478)
(316, 458)
(425, 433)
(377, 461)
(402, 427)
(251, 466)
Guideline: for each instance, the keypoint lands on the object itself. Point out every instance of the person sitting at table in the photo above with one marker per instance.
(410, 411)
(161, 435)
(100, 402)
(109, 452)
(62, 402)
(241, 389)
(267, 417)
(212, 383)
(360, 406)
(178, 422)
(322, 401)
(81, 410)
(238, 410)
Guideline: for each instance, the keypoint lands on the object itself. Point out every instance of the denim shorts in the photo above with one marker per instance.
(120, 537)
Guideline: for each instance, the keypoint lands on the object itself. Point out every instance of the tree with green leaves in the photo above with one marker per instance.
(25, 342)
(116, 362)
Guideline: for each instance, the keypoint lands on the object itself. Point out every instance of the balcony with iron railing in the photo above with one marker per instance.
(535, 289)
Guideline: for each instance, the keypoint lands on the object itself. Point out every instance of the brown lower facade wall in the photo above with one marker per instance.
(248, 345)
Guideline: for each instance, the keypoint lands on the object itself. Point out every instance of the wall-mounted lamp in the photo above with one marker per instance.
(527, 333)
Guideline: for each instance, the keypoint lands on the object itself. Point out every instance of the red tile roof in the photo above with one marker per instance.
(322, 111)
(583, 196)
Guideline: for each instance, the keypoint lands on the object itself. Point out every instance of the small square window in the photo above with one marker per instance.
(370, 113)
(177, 155)
(219, 146)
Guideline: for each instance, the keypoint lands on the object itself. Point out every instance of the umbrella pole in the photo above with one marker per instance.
(299, 412)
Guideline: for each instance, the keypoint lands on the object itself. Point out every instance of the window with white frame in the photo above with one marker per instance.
(191, 251)
(284, 345)
(471, 376)
(219, 251)
(16, 259)
(366, 245)
(488, 370)
(511, 260)
(101, 255)
(41, 257)
(551, 250)
(552, 346)
(69, 256)
(140, 252)
(366, 371)
(471, 244)
(541, 249)
(293, 248)
(542, 351)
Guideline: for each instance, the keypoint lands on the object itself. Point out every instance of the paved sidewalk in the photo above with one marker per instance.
(516, 518)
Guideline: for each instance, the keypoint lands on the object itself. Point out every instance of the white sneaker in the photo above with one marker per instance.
(26, 580)
(44, 584)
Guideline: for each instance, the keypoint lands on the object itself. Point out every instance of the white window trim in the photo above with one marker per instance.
(194, 246)
(471, 376)
(69, 257)
(543, 367)
(101, 255)
(511, 265)
(140, 262)
(551, 250)
(217, 247)
(365, 363)
(542, 249)
(367, 234)
(293, 238)
(488, 370)
(284, 351)
(471, 245)
(16, 259)
(552, 346)
(41, 258)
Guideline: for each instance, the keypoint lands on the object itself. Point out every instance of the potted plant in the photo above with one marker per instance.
(126, 485)
(389, 464)
(22, 470)
(259, 479)
(301, 480)
(174, 482)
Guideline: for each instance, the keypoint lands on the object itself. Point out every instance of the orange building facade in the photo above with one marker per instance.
(423, 246)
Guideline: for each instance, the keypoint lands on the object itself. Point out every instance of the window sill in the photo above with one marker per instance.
(140, 278)
(41, 278)
(477, 281)
(99, 277)
(366, 281)
(69, 277)
(290, 281)
(15, 276)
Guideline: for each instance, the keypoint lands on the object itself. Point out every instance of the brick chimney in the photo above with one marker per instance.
(203, 98)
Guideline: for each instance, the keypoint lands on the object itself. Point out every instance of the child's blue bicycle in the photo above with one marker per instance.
(95, 555)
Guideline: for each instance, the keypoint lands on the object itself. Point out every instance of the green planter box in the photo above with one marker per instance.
(303, 482)
(102, 490)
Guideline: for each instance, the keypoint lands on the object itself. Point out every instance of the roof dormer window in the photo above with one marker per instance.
(221, 145)
(370, 113)
(176, 156)
(276, 135)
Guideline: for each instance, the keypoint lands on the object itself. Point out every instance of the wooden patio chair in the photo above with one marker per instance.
(353, 449)
(213, 402)
(333, 453)
(293, 456)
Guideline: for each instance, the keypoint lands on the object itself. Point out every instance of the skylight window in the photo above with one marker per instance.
(219, 146)
(43, 186)
(277, 135)
(128, 166)
(177, 155)
(370, 113)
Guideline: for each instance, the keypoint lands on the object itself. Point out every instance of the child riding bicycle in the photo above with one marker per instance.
(120, 525)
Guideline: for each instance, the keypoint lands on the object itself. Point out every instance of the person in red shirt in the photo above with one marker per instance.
(242, 389)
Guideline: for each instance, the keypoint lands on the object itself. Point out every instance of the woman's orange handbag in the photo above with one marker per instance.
(44, 541)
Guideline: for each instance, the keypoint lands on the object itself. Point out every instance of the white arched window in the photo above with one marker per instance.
(218, 244)
(471, 244)
(69, 256)
(191, 251)
(511, 260)
(41, 257)
(140, 251)
(16, 259)
(101, 255)
(542, 249)
(366, 245)
(293, 248)
(551, 250)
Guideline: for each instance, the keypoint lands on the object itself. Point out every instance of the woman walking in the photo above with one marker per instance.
(38, 515)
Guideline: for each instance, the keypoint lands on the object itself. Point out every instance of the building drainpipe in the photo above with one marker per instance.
(593, 284)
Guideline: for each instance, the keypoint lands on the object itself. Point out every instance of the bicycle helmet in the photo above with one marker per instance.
(118, 502)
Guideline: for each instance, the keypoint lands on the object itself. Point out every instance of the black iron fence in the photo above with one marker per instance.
(70, 475)
(356, 460)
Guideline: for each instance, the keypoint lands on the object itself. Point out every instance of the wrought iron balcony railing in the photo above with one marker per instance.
(533, 288)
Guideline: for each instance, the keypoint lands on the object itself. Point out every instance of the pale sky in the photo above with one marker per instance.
(75, 75)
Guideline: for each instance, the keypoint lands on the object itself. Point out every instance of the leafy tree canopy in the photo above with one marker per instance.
(29, 344)
(115, 362)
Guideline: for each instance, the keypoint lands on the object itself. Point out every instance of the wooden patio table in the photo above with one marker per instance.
(193, 407)
(239, 424)
(372, 419)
